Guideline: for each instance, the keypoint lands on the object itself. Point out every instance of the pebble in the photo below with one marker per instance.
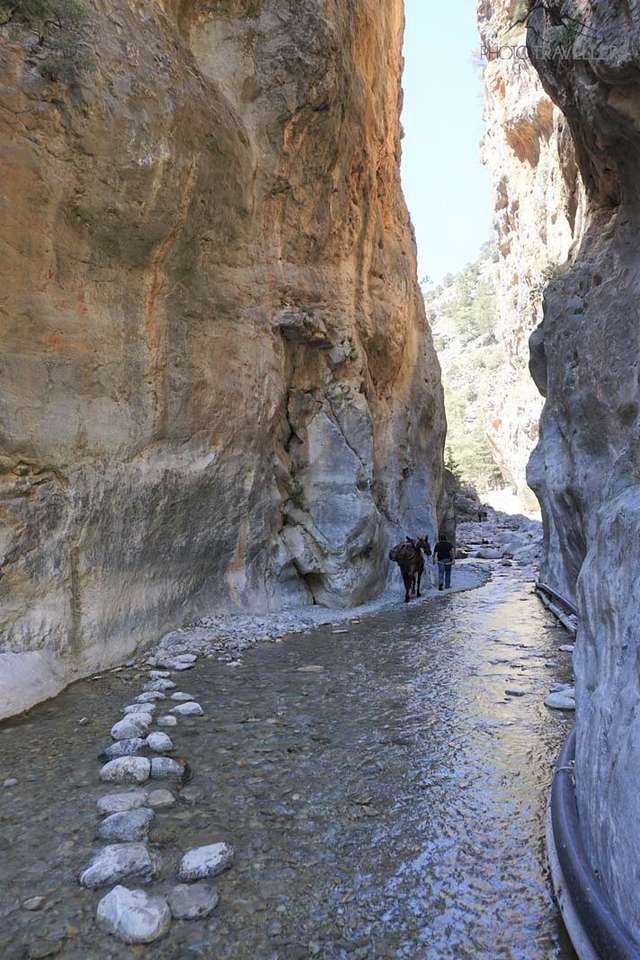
(11, 782)
(126, 770)
(159, 674)
(121, 802)
(139, 708)
(190, 794)
(133, 915)
(126, 827)
(150, 696)
(160, 686)
(567, 648)
(515, 692)
(312, 668)
(122, 748)
(190, 709)
(167, 721)
(192, 901)
(164, 768)
(559, 701)
(159, 743)
(181, 697)
(132, 727)
(120, 861)
(33, 903)
(203, 862)
(83, 721)
(160, 798)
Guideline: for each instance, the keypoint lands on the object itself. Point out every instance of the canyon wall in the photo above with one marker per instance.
(586, 469)
(217, 384)
(528, 152)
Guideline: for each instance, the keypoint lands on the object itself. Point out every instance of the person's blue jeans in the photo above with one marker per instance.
(444, 574)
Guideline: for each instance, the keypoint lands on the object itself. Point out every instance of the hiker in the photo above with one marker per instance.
(443, 555)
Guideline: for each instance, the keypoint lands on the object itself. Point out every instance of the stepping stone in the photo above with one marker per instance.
(190, 709)
(150, 696)
(121, 802)
(159, 743)
(126, 827)
(192, 901)
(160, 798)
(126, 770)
(203, 862)
(167, 721)
(181, 697)
(567, 648)
(120, 861)
(558, 701)
(165, 768)
(132, 727)
(122, 748)
(159, 674)
(159, 686)
(133, 915)
(149, 708)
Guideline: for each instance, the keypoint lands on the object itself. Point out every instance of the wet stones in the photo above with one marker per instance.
(203, 862)
(165, 768)
(127, 770)
(126, 827)
(132, 727)
(181, 697)
(160, 685)
(159, 743)
(192, 901)
(141, 708)
(167, 721)
(120, 861)
(562, 698)
(122, 748)
(150, 696)
(121, 802)
(160, 798)
(134, 916)
(190, 709)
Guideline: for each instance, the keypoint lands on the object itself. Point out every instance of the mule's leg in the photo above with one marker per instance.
(419, 582)
(406, 576)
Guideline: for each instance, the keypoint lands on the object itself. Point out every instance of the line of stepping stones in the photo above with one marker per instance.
(133, 915)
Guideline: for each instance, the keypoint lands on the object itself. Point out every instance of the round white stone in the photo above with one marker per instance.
(559, 701)
(159, 743)
(121, 802)
(190, 709)
(126, 827)
(126, 770)
(120, 861)
(150, 696)
(203, 862)
(167, 721)
(181, 697)
(131, 727)
(133, 915)
(160, 798)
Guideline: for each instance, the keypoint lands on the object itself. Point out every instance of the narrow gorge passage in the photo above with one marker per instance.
(387, 803)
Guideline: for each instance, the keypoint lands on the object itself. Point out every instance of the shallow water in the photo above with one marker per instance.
(390, 805)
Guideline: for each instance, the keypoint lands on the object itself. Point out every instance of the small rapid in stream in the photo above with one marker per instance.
(386, 803)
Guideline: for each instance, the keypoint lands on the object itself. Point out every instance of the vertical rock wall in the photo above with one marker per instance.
(528, 151)
(587, 466)
(217, 385)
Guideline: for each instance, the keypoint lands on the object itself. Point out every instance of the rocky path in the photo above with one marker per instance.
(368, 790)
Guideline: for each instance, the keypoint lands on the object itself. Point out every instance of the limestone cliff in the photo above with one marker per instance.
(528, 151)
(217, 383)
(586, 468)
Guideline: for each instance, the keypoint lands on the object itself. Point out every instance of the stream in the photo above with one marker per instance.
(384, 795)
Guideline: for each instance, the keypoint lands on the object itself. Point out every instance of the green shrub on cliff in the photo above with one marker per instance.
(57, 31)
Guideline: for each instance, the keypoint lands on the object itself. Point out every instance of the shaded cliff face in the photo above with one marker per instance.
(218, 386)
(528, 152)
(586, 468)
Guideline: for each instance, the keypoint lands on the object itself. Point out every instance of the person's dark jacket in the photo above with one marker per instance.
(443, 551)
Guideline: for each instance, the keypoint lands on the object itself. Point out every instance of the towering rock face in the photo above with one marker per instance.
(528, 151)
(217, 382)
(587, 466)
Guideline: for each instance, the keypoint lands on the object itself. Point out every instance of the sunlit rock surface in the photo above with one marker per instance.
(218, 388)
(538, 200)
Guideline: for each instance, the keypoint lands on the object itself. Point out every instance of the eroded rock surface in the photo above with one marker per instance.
(529, 153)
(214, 348)
(586, 468)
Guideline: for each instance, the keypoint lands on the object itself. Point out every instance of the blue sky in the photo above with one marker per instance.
(446, 186)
